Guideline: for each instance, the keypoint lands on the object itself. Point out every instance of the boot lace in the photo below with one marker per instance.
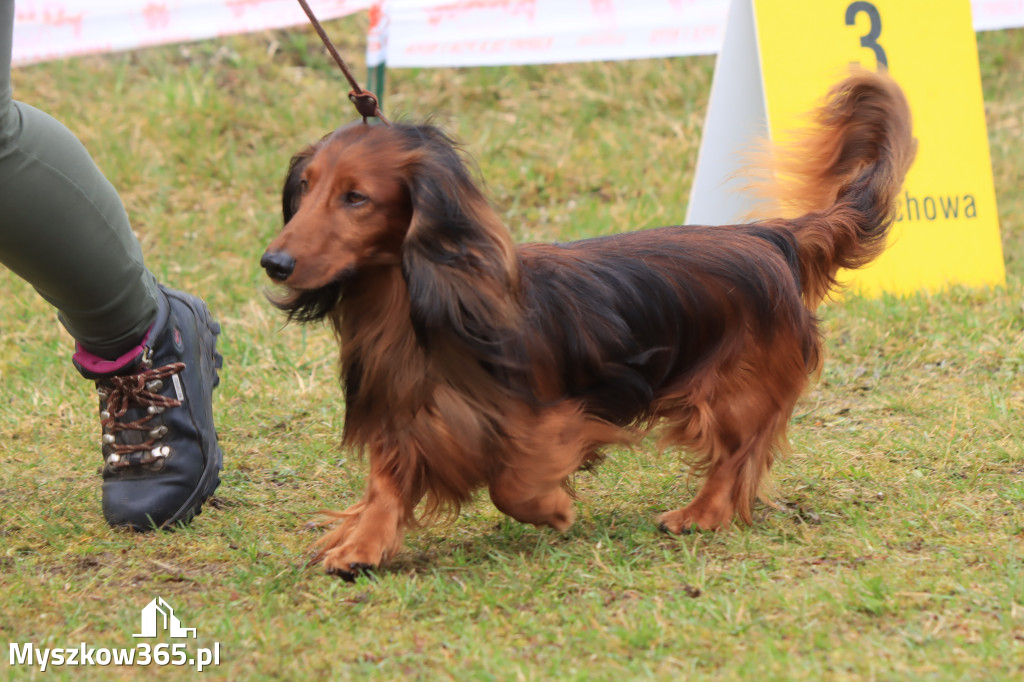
(136, 390)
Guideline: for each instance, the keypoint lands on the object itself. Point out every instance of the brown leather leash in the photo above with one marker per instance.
(364, 100)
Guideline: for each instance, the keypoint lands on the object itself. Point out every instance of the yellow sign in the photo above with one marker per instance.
(948, 229)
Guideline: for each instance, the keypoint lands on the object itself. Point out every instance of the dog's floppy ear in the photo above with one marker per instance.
(291, 195)
(458, 260)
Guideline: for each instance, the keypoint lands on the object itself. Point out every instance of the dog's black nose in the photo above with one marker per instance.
(278, 264)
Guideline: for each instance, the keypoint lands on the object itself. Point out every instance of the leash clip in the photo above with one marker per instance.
(366, 104)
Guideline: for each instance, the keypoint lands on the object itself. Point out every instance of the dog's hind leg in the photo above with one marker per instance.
(370, 531)
(731, 484)
(734, 424)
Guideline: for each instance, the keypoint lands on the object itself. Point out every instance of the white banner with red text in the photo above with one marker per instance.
(409, 33)
(54, 29)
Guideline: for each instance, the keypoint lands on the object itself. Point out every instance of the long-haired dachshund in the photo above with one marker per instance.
(469, 361)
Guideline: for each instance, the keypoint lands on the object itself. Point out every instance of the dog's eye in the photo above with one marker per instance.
(354, 198)
(303, 186)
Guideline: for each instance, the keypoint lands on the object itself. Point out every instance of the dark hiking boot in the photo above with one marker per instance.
(161, 458)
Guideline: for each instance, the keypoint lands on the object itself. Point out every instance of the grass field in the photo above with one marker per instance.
(896, 551)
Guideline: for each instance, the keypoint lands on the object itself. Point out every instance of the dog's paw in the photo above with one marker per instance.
(347, 565)
(351, 554)
(560, 519)
(349, 572)
(553, 508)
(358, 545)
(691, 519)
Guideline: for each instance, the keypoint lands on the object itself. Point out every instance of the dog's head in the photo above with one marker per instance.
(399, 195)
(378, 196)
(346, 207)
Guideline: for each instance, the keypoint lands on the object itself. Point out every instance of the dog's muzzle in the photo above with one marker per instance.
(278, 264)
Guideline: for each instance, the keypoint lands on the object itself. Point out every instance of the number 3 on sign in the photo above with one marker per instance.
(869, 39)
(947, 229)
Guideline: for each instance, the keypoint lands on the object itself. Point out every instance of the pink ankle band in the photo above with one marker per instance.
(94, 364)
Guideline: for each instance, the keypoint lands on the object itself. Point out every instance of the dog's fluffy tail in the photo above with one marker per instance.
(843, 178)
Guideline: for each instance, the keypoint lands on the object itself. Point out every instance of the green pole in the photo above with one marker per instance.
(375, 82)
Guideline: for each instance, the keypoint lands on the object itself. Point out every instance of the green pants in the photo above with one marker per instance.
(63, 227)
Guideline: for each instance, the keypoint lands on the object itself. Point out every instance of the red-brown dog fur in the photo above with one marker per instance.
(469, 361)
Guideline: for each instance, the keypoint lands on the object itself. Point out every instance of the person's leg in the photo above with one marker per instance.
(150, 350)
(63, 227)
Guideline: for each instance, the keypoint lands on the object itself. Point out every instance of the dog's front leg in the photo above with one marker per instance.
(371, 531)
(528, 501)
